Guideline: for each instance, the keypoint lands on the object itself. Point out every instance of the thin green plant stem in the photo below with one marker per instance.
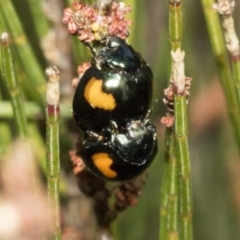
(13, 89)
(172, 212)
(38, 145)
(182, 154)
(12, 86)
(175, 25)
(2, 24)
(169, 192)
(225, 9)
(235, 62)
(5, 136)
(178, 80)
(39, 18)
(221, 59)
(164, 188)
(28, 59)
(32, 109)
(40, 149)
(52, 157)
(2, 147)
(168, 217)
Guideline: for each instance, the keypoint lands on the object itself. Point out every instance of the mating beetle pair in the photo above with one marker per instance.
(111, 105)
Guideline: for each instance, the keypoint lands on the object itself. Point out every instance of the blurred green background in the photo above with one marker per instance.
(214, 158)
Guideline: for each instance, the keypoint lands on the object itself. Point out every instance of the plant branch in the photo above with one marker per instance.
(12, 86)
(220, 54)
(53, 162)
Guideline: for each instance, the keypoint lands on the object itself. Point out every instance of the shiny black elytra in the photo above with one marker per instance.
(111, 105)
(125, 156)
(117, 87)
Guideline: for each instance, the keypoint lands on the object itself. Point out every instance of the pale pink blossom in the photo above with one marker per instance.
(91, 24)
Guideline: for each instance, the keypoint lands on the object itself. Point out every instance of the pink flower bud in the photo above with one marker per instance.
(72, 27)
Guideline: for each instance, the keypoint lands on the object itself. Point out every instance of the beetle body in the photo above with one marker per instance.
(124, 157)
(111, 105)
(117, 87)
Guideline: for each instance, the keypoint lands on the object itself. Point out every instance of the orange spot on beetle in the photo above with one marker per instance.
(103, 162)
(96, 97)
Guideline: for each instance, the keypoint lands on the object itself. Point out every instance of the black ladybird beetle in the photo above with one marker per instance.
(125, 156)
(111, 105)
(117, 87)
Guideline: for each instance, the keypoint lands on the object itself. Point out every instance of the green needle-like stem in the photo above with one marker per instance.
(180, 156)
(35, 74)
(172, 213)
(33, 110)
(52, 157)
(175, 25)
(235, 62)
(225, 9)
(5, 137)
(12, 85)
(164, 188)
(39, 18)
(220, 54)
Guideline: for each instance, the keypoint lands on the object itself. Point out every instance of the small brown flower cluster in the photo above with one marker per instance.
(92, 24)
(81, 70)
(129, 192)
(118, 24)
(126, 193)
(187, 86)
(78, 164)
(224, 7)
(168, 100)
